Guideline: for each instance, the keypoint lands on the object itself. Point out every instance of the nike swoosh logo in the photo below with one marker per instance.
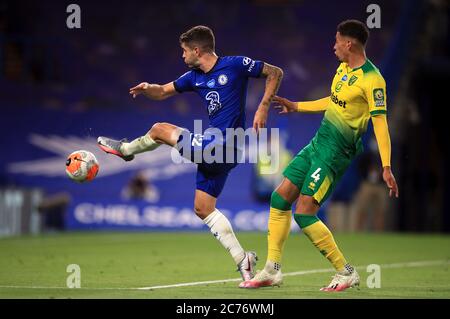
(249, 268)
(197, 84)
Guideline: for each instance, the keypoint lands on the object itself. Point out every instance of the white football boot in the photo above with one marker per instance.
(247, 266)
(269, 276)
(111, 146)
(343, 280)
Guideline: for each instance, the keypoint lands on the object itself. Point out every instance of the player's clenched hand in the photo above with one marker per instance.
(139, 89)
(260, 120)
(390, 181)
(284, 105)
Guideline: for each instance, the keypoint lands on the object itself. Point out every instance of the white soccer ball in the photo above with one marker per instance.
(82, 166)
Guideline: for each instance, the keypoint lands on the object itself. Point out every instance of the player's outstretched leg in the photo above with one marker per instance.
(220, 227)
(160, 133)
(322, 239)
(111, 146)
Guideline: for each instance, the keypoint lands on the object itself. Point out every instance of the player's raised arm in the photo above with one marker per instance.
(273, 75)
(287, 106)
(154, 91)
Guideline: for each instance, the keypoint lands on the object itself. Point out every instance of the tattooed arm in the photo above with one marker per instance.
(273, 77)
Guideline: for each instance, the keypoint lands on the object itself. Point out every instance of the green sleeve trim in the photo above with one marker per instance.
(305, 220)
(278, 202)
(376, 112)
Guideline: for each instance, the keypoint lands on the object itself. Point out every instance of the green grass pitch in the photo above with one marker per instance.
(114, 264)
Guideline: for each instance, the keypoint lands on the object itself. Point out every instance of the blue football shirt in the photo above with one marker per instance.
(223, 89)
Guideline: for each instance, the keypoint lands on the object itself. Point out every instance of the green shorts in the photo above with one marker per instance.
(316, 176)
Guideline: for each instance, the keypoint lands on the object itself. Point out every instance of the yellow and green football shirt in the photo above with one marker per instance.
(356, 94)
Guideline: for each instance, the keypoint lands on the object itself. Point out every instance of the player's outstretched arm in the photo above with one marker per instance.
(154, 91)
(381, 131)
(273, 75)
(287, 106)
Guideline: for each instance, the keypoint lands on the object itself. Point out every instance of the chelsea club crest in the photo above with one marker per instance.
(223, 79)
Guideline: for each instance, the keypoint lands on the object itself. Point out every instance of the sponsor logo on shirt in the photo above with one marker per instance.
(336, 100)
(246, 61)
(211, 83)
(251, 66)
(214, 102)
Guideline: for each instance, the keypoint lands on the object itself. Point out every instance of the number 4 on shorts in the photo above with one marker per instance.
(316, 175)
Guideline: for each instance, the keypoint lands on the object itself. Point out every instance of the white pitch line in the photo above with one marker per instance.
(296, 273)
(307, 272)
(396, 265)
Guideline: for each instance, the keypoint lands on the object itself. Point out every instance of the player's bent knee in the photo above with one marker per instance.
(201, 211)
(307, 205)
(156, 130)
(155, 127)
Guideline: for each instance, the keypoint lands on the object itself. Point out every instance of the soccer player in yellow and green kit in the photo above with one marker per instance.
(358, 93)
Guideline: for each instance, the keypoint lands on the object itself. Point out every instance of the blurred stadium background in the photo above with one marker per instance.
(60, 88)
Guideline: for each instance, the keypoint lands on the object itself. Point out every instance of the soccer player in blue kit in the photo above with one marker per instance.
(222, 83)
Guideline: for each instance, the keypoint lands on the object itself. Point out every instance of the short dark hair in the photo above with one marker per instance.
(201, 36)
(354, 29)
